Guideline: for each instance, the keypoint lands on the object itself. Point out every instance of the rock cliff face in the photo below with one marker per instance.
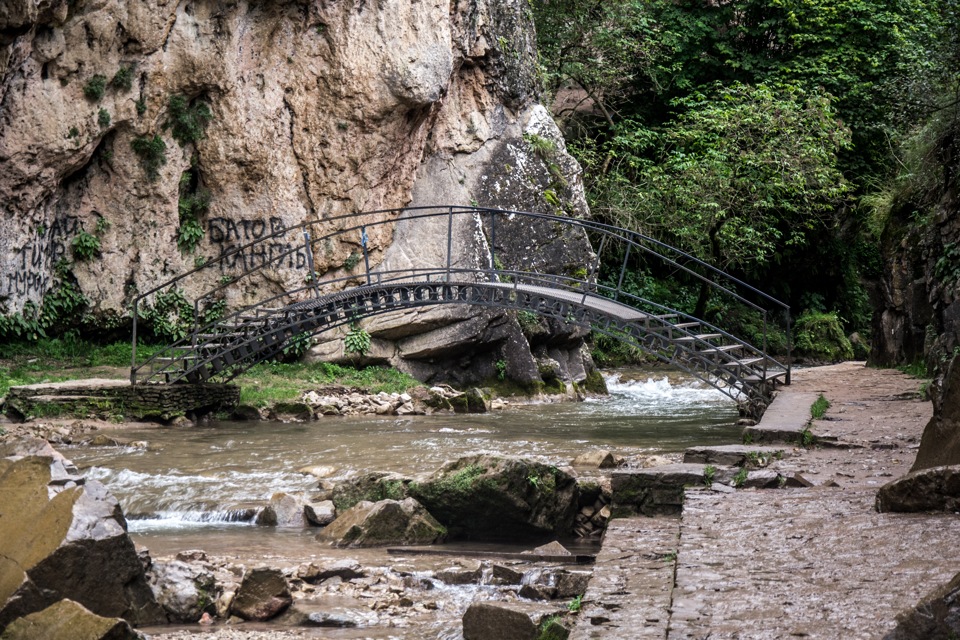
(919, 316)
(139, 138)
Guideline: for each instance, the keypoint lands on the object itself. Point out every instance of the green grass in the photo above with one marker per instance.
(59, 359)
(819, 407)
(275, 381)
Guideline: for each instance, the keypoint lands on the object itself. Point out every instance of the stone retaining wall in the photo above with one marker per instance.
(108, 399)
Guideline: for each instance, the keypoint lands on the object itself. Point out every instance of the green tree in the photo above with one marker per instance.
(744, 172)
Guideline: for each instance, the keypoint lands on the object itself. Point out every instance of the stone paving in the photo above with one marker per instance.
(815, 562)
(629, 593)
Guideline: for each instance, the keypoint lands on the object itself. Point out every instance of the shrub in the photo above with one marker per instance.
(819, 336)
(103, 118)
(95, 87)
(152, 153)
(187, 122)
(123, 79)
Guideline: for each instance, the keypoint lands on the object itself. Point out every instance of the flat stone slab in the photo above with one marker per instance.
(732, 455)
(785, 420)
(628, 597)
(655, 490)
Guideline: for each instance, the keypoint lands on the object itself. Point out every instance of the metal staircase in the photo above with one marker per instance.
(224, 348)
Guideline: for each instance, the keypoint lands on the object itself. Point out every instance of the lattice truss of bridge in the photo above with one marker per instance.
(219, 346)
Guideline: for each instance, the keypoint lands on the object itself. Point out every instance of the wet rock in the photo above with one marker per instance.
(550, 549)
(657, 461)
(263, 594)
(505, 621)
(320, 514)
(245, 412)
(185, 591)
(68, 620)
(346, 569)
(936, 616)
(284, 510)
(538, 592)
(733, 455)
(501, 575)
(291, 412)
(492, 497)
(599, 459)
(318, 470)
(932, 489)
(571, 584)
(461, 575)
(61, 540)
(370, 524)
(472, 400)
(762, 479)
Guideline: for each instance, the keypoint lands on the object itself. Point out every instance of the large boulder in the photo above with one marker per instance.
(936, 616)
(493, 497)
(63, 537)
(67, 620)
(387, 522)
(933, 489)
(263, 594)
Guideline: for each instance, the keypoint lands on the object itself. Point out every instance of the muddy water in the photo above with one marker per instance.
(201, 478)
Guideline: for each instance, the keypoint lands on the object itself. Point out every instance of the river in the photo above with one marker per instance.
(188, 488)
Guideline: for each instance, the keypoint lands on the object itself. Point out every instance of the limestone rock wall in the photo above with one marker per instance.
(302, 110)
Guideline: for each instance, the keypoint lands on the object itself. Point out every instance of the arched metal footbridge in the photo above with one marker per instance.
(217, 346)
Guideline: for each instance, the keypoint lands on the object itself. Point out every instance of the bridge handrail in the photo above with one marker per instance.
(634, 239)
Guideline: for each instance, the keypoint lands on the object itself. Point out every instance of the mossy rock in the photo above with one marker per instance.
(491, 498)
(369, 487)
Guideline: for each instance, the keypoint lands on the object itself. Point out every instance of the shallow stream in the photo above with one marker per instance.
(196, 478)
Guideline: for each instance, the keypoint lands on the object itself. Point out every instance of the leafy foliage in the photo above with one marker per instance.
(357, 341)
(152, 153)
(193, 204)
(187, 122)
(170, 317)
(86, 246)
(103, 118)
(742, 173)
(819, 336)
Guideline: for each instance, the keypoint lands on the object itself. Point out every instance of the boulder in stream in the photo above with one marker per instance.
(369, 487)
(65, 538)
(387, 522)
(493, 497)
(185, 590)
(263, 594)
(508, 620)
